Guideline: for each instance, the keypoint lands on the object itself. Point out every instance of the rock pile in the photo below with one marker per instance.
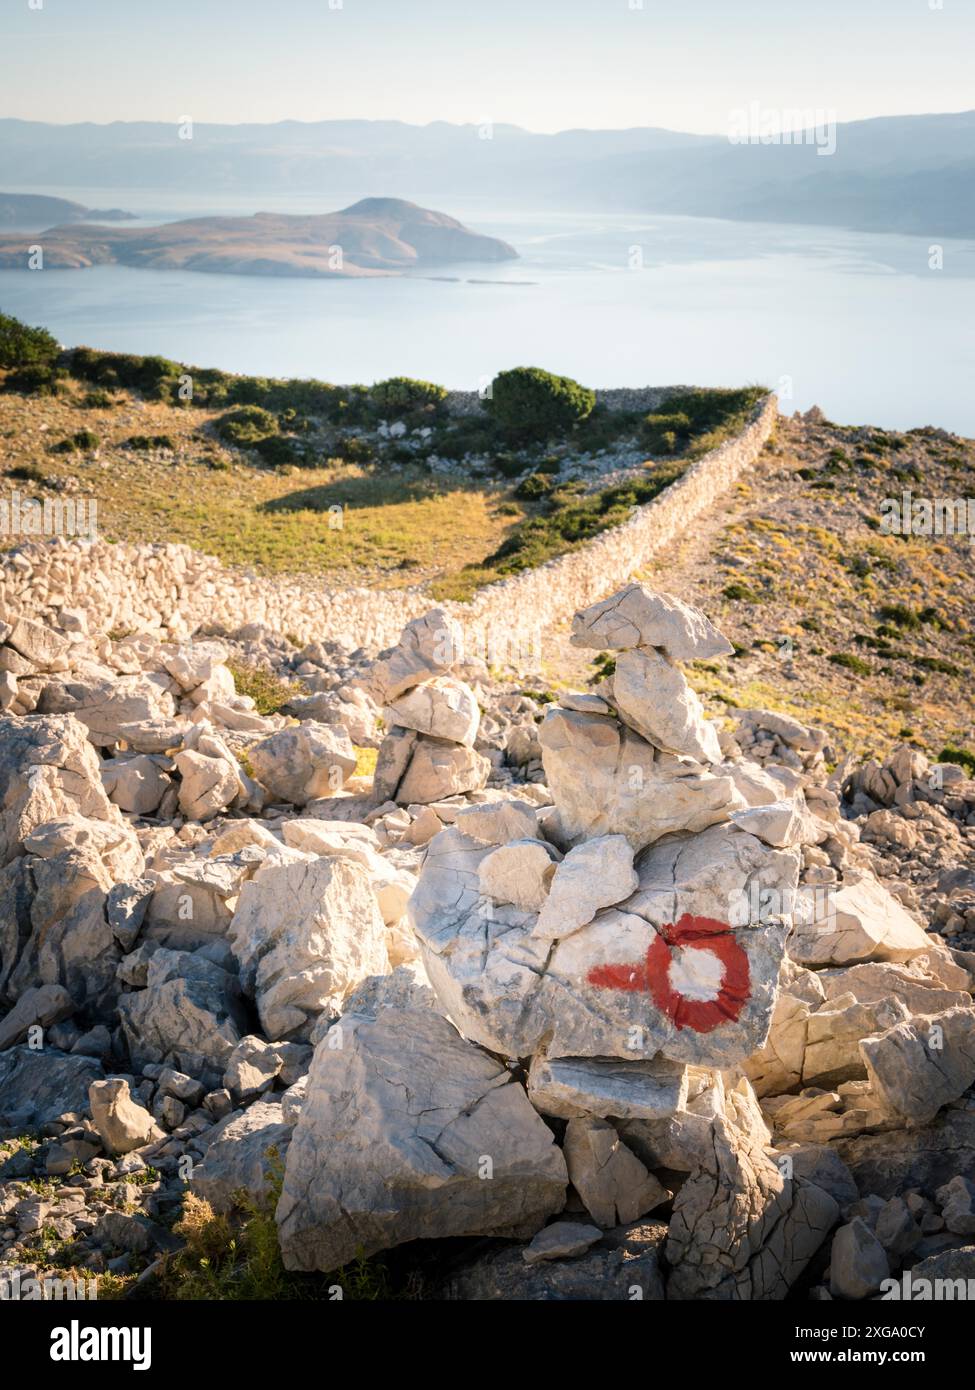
(594, 977)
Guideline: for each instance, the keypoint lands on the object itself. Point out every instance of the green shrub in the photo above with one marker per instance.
(23, 346)
(78, 442)
(962, 756)
(539, 538)
(246, 426)
(27, 473)
(900, 614)
(35, 381)
(532, 403)
(534, 486)
(401, 395)
(276, 451)
(741, 593)
(354, 450)
(851, 663)
(664, 432)
(150, 441)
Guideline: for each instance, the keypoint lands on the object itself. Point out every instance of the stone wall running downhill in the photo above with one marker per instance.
(126, 588)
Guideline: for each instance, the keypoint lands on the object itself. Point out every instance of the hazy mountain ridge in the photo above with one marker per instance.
(33, 210)
(376, 236)
(905, 174)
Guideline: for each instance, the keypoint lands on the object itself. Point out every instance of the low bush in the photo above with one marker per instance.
(963, 757)
(23, 346)
(80, 442)
(531, 403)
(533, 487)
(246, 426)
(401, 395)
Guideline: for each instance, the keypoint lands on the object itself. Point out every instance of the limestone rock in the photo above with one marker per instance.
(922, 1064)
(612, 1182)
(778, 823)
(663, 972)
(561, 1241)
(122, 1124)
(245, 1154)
(208, 785)
(518, 873)
(606, 1086)
(189, 1010)
(304, 935)
(297, 765)
(596, 874)
(103, 706)
(858, 1262)
(638, 617)
(918, 991)
(39, 1006)
(606, 780)
(48, 772)
(428, 646)
(862, 922)
(137, 784)
(392, 1142)
(438, 769)
(957, 1202)
(443, 707)
(498, 822)
(653, 697)
(36, 1087)
(740, 1230)
(39, 644)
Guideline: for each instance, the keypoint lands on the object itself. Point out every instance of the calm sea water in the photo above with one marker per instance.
(859, 324)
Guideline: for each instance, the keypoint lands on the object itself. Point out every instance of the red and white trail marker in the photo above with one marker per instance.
(695, 972)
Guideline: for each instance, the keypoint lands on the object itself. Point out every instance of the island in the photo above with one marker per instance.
(376, 236)
(28, 211)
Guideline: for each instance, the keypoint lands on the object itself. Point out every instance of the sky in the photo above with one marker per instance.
(544, 64)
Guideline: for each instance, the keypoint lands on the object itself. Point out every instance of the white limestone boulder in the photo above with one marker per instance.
(408, 1132)
(439, 769)
(612, 1182)
(594, 875)
(304, 935)
(741, 1231)
(299, 764)
(428, 646)
(636, 616)
(518, 873)
(609, 1087)
(663, 972)
(922, 1064)
(607, 780)
(48, 771)
(442, 707)
(858, 921)
(652, 696)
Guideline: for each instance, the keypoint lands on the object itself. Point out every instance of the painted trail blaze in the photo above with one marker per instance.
(695, 972)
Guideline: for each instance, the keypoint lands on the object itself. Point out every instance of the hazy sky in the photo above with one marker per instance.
(544, 64)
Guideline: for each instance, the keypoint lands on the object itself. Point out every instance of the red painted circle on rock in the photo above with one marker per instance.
(655, 975)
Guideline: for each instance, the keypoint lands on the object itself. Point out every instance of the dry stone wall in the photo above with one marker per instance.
(173, 588)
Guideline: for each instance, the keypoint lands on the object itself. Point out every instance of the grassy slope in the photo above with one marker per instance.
(794, 536)
(397, 527)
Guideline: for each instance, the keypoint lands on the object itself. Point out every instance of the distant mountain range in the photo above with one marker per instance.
(902, 174)
(30, 211)
(377, 236)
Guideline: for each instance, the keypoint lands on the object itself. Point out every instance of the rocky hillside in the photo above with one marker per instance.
(377, 236)
(440, 987)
